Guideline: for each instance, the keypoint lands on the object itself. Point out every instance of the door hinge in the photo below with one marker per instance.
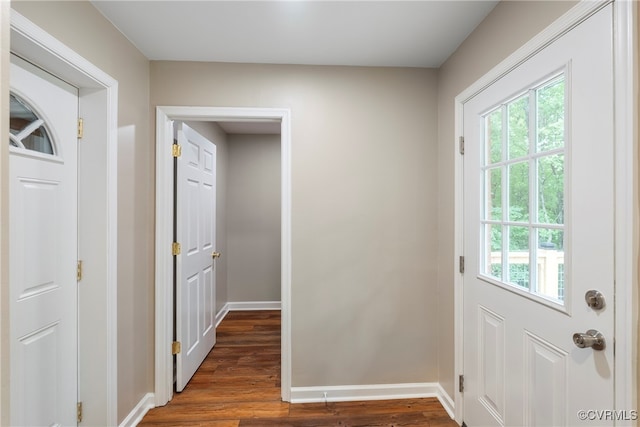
(80, 128)
(461, 145)
(176, 150)
(79, 410)
(461, 383)
(79, 270)
(176, 347)
(461, 264)
(175, 248)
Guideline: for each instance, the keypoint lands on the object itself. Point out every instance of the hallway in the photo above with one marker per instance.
(238, 385)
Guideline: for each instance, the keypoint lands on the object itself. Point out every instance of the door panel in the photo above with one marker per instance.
(43, 241)
(538, 227)
(195, 230)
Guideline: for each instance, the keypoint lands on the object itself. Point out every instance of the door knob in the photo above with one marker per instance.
(592, 338)
(594, 299)
(215, 255)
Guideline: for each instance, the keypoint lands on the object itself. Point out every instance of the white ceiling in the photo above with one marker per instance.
(418, 33)
(366, 33)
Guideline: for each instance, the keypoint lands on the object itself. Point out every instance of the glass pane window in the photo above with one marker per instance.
(518, 113)
(550, 116)
(519, 192)
(494, 138)
(494, 194)
(493, 252)
(523, 214)
(26, 129)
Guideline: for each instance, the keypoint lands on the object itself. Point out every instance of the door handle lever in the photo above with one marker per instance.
(592, 338)
(215, 255)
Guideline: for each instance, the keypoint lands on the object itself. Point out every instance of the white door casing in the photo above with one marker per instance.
(165, 115)
(97, 206)
(43, 256)
(196, 233)
(521, 366)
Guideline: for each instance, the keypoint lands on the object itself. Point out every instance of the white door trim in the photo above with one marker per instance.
(626, 231)
(98, 104)
(164, 233)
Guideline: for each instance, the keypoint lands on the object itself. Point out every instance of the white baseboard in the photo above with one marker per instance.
(254, 305)
(246, 306)
(135, 416)
(221, 314)
(447, 402)
(372, 392)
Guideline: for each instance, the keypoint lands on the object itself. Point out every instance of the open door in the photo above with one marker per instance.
(539, 237)
(195, 221)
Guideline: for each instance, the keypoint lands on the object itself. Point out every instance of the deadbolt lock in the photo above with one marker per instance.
(594, 299)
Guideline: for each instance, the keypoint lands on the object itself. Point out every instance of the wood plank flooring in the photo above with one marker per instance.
(238, 385)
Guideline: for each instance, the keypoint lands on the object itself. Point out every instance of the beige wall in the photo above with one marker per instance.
(253, 254)
(215, 134)
(510, 25)
(81, 27)
(364, 211)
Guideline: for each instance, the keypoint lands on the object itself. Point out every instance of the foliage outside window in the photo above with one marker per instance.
(524, 190)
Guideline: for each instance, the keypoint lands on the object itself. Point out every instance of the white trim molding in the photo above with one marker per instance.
(137, 414)
(351, 393)
(97, 207)
(626, 187)
(254, 305)
(246, 306)
(165, 115)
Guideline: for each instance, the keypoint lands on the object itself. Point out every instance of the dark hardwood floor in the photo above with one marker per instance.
(238, 385)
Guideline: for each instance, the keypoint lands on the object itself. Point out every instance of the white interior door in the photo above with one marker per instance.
(43, 248)
(195, 231)
(538, 231)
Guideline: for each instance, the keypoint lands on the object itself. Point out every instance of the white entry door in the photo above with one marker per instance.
(538, 231)
(43, 248)
(196, 233)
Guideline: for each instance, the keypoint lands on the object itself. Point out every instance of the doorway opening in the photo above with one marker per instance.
(231, 118)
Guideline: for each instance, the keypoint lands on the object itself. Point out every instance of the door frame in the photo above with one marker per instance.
(165, 115)
(626, 189)
(97, 218)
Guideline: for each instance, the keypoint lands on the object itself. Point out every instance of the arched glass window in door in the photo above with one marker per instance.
(26, 129)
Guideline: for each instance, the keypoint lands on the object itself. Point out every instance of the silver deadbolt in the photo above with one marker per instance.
(594, 299)
(592, 338)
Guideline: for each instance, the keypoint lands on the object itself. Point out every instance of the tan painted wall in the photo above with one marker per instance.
(253, 255)
(215, 134)
(510, 25)
(364, 217)
(81, 27)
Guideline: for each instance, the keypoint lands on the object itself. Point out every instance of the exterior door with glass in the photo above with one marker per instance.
(538, 230)
(43, 243)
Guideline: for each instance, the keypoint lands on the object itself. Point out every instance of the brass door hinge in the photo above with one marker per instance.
(461, 145)
(176, 347)
(79, 411)
(176, 150)
(461, 383)
(80, 128)
(461, 264)
(79, 270)
(176, 248)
